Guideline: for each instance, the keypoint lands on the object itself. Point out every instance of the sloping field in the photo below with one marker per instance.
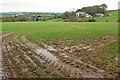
(5, 15)
(113, 18)
(55, 50)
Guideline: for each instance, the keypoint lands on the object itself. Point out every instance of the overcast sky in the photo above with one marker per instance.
(52, 5)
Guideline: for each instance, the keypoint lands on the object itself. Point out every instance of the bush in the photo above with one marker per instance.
(9, 19)
(118, 20)
(21, 18)
(68, 15)
(92, 20)
(72, 19)
(106, 20)
(66, 20)
(37, 19)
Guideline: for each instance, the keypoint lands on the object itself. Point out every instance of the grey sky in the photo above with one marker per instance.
(52, 5)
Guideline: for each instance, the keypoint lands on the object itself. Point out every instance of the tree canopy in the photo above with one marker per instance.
(94, 9)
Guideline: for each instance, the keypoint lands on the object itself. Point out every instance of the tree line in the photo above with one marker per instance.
(26, 18)
(94, 9)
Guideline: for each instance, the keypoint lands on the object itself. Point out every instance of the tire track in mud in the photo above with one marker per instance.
(46, 58)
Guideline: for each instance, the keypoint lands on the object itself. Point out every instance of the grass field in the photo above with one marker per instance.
(113, 18)
(93, 43)
(5, 15)
(44, 31)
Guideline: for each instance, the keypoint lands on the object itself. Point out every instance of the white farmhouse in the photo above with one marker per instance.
(84, 14)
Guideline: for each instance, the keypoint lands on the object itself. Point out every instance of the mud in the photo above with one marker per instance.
(95, 73)
(3, 74)
(30, 57)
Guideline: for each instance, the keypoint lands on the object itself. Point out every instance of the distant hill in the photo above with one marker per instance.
(26, 12)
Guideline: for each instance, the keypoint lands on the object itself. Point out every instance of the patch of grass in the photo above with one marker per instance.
(56, 75)
(24, 75)
(5, 15)
(106, 57)
(41, 74)
(12, 58)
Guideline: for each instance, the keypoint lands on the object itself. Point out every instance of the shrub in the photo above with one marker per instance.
(72, 19)
(67, 15)
(21, 18)
(118, 20)
(66, 20)
(92, 20)
(106, 20)
(43, 19)
(37, 19)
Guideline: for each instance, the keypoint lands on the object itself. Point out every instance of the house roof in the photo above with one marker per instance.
(84, 14)
(81, 13)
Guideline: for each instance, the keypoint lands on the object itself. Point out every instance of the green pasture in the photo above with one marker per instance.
(42, 31)
(5, 15)
(113, 18)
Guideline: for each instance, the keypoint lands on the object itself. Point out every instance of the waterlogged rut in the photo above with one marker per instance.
(39, 51)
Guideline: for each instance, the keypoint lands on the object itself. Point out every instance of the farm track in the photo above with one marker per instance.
(29, 55)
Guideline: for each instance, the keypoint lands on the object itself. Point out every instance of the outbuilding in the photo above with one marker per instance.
(99, 15)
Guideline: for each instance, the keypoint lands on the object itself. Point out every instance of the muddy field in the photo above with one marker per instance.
(24, 58)
(59, 50)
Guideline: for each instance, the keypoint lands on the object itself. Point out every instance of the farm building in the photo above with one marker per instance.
(83, 14)
(18, 15)
(109, 14)
(99, 15)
